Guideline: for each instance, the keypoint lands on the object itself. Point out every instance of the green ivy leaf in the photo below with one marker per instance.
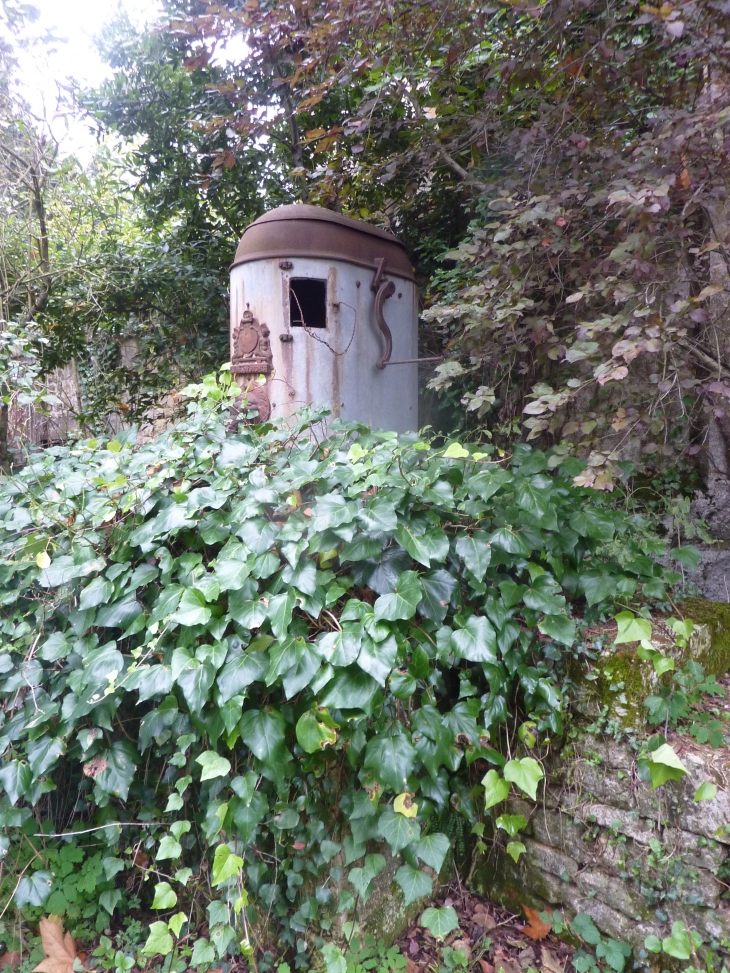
(515, 849)
(496, 790)
(707, 791)
(33, 889)
(402, 603)
(225, 865)
(440, 922)
(164, 898)
(263, 732)
(313, 735)
(631, 628)
(476, 641)
(213, 765)
(176, 923)
(414, 883)
(398, 830)
(526, 774)
(433, 849)
(169, 848)
(664, 765)
(159, 942)
(203, 953)
(584, 926)
(511, 823)
(678, 945)
(391, 760)
(475, 552)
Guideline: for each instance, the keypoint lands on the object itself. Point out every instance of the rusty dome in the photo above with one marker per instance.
(300, 230)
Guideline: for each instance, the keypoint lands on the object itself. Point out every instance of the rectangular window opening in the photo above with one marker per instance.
(307, 302)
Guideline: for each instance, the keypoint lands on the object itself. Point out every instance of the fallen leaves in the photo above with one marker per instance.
(59, 948)
(535, 928)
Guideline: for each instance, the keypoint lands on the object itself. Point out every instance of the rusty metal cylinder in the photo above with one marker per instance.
(324, 312)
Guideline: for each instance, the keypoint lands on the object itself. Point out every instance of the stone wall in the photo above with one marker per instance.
(601, 841)
(604, 843)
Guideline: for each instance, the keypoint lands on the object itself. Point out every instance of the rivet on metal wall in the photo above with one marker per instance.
(285, 265)
(286, 338)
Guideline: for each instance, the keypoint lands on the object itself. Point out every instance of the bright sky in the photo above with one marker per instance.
(75, 23)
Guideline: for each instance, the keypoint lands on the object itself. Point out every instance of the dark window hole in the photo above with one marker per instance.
(307, 302)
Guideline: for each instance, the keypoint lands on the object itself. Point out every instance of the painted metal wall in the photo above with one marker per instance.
(334, 366)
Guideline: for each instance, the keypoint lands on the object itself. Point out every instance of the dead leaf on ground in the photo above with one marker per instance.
(550, 962)
(504, 963)
(411, 967)
(486, 967)
(60, 949)
(485, 922)
(535, 928)
(10, 960)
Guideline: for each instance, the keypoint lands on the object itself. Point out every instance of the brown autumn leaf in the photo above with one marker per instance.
(9, 960)
(484, 920)
(60, 949)
(550, 962)
(95, 766)
(504, 963)
(486, 967)
(535, 928)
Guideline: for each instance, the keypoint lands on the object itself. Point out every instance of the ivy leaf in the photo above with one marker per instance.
(258, 534)
(196, 681)
(159, 942)
(664, 765)
(496, 790)
(476, 641)
(678, 945)
(631, 628)
(33, 889)
(433, 849)
(440, 922)
(280, 613)
(225, 865)
(378, 658)
(313, 735)
(177, 922)
(438, 587)
(213, 765)
(193, 608)
(515, 849)
(203, 953)
(414, 883)
(525, 773)
(351, 688)
(238, 674)
(43, 754)
(401, 603)
(121, 765)
(263, 732)
(169, 848)
(707, 791)
(511, 823)
(391, 760)
(164, 898)
(509, 541)
(398, 831)
(558, 627)
(475, 552)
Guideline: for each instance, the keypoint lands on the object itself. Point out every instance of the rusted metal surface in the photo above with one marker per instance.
(384, 288)
(326, 341)
(300, 230)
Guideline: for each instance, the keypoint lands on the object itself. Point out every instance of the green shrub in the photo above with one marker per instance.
(231, 661)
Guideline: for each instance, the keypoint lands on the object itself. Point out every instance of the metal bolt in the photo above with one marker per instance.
(286, 338)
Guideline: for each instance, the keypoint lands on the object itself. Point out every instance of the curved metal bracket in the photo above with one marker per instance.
(384, 289)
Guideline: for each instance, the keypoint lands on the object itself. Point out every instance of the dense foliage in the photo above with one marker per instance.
(230, 661)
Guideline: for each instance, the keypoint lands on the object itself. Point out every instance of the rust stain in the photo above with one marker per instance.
(334, 322)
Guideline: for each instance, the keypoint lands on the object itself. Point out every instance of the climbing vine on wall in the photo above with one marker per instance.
(232, 662)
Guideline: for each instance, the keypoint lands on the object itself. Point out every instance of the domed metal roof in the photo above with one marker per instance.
(300, 230)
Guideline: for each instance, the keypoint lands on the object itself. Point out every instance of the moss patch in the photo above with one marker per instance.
(710, 642)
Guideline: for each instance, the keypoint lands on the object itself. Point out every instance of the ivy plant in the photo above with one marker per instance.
(246, 667)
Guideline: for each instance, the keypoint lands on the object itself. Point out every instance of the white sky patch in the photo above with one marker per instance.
(45, 69)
